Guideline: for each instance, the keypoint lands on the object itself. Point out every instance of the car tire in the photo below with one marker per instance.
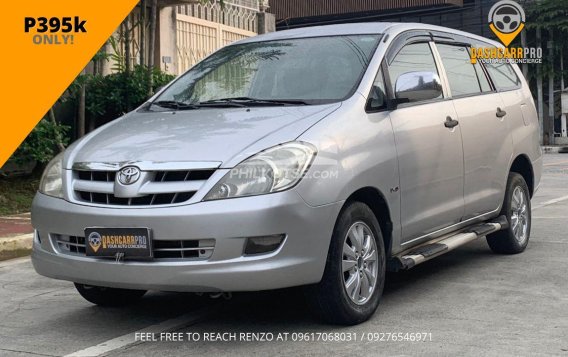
(102, 296)
(352, 283)
(517, 208)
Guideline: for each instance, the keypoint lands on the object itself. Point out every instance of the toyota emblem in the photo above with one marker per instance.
(128, 175)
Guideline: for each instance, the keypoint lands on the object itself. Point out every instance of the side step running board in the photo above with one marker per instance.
(432, 249)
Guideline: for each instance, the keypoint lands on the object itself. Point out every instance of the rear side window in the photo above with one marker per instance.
(462, 75)
(503, 76)
(416, 57)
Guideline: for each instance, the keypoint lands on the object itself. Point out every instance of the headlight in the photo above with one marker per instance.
(51, 181)
(276, 169)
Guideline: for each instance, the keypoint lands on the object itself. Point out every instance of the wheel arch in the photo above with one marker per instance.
(376, 201)
(523, 166)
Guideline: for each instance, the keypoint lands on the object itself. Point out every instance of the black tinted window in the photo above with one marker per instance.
(377, 98)
(503, 75)
(461, 73)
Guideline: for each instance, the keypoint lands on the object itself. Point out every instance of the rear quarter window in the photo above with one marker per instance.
(503, 76)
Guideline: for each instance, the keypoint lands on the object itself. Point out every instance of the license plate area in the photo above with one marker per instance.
(118, 243)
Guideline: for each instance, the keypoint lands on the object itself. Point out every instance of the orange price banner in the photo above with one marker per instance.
(46, 44)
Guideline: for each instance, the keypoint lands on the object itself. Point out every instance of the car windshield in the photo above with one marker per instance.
(289, 71)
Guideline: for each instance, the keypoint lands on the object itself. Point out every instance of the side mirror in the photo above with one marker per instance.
(417, 86)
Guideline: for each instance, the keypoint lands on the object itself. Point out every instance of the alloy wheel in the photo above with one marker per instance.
(519, 215)
(359, 264)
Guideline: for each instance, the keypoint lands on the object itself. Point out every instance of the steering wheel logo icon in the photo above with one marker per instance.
(506, 20)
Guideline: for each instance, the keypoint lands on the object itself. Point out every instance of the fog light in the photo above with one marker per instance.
(262, 245)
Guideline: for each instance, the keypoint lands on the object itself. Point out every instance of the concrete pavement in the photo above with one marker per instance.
(470, 301)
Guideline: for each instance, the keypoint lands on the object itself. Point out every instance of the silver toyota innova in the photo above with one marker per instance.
(320, 156)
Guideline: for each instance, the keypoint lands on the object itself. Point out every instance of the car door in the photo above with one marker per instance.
(430, 154)
(482, 118)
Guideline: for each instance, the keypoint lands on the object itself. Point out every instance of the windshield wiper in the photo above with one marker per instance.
(172, 104)
(238, 102)
(246, 101)
(225, 102)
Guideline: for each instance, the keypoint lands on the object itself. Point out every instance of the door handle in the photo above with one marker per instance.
(450, 123)
(500, 113)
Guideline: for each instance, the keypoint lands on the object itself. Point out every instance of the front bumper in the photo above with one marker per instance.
(300, 259)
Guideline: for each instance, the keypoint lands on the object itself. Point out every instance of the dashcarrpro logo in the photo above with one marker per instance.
(95, 241)
(507, 20)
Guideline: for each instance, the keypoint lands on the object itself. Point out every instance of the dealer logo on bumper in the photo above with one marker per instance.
(95, 241)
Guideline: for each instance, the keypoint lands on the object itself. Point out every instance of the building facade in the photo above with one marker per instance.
(186, 31)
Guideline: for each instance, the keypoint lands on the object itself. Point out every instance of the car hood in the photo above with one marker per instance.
(223, 135)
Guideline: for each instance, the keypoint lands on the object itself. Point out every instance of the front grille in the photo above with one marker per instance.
(183, 249)
(70, 244)
(162, 187)
(105, 176)
(148, 200)
(196, 249)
